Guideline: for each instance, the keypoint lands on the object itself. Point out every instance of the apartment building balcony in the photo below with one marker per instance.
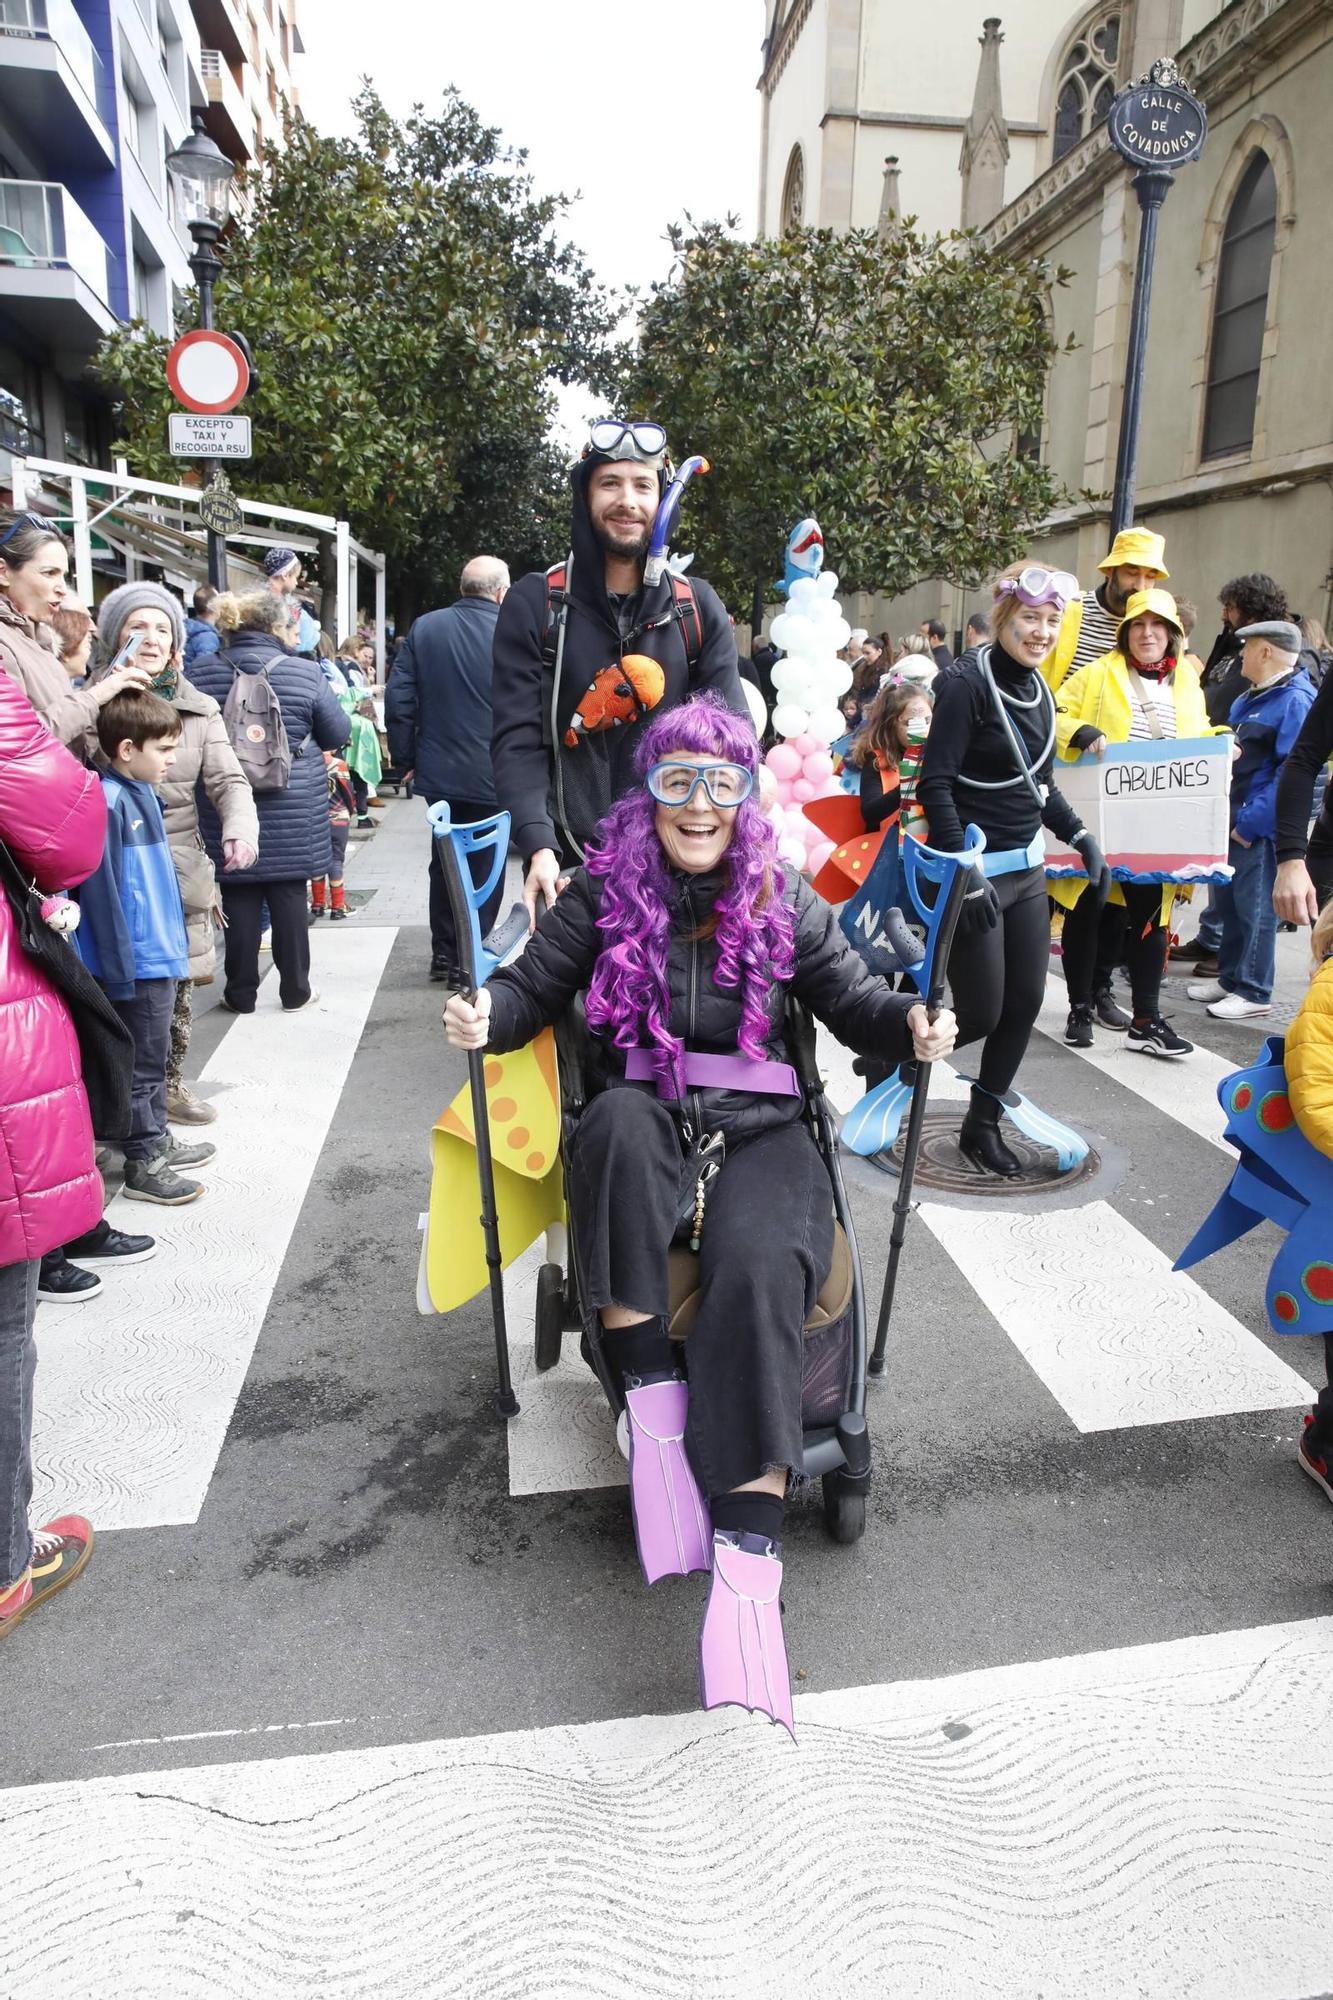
(227, 119)
(222, 27)
(55, 278)
(53, 85)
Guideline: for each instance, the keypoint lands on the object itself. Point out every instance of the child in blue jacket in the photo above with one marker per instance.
(131, 934)
(1266, 720)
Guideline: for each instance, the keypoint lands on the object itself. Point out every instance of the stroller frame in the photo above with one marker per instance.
(837, 1453)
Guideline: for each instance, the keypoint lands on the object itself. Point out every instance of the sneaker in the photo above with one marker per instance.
(1235, 1007)
(198, 1155)
(1314, 1456)
(365, 824)
(1078, 1028)
(59, 1551)
(311, 1000)
(1207, 989)
(1108, 1013)
(1157, 1038)
(61, 1283)
(112, 1246)
(184, 1108)
(153, 1180)
(317, 910)
(340, 915)
(441, 972)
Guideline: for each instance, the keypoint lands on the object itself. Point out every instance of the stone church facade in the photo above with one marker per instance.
(864, 122)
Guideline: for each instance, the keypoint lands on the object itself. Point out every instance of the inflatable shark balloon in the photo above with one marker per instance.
(804, 554)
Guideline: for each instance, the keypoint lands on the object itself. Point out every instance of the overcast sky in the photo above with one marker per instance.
(644, 112)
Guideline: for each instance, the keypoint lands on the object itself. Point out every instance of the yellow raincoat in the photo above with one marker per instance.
(1097, 696)
(1308, 1059)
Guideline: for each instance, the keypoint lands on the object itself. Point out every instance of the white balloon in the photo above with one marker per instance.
(827, 724)
(784, 672)
(841, 633)
(803, 590)
(779, 629)
(789, 720)
(841, 680)
(754, 701)
(827, 582)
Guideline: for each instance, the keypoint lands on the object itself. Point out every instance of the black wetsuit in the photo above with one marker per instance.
(998, 977)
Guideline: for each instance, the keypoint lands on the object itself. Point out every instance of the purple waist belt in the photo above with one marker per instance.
(766, 1079)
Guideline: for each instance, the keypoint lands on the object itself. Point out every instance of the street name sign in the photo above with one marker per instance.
(207, 372)
(219, 509)
(1158, 810)
(193, 436)
(1158, 122)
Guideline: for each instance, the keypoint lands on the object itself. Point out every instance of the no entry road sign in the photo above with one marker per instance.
(208, 373)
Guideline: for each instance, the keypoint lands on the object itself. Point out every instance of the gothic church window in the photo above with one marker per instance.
(1240, 310)
(1087, 81)
(793, 192)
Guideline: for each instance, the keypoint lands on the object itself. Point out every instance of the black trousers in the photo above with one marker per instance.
(766, 1248)
(442, 943)
(998, 977)
(148, 1018)
(1132, 931)
(243, 908)
(1093, 944)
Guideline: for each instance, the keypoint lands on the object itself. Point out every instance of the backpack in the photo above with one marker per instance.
(256, 730)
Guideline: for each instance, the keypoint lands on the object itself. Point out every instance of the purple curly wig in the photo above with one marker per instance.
(629, 995)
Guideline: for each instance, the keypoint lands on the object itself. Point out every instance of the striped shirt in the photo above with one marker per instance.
(1158, 696)
(1096, 633)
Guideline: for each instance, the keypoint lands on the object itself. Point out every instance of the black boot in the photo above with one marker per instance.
(980, 1141)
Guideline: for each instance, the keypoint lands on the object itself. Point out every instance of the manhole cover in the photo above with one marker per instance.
(941, 1166)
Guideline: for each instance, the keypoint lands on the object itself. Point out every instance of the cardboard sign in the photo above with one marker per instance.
(1158, 810)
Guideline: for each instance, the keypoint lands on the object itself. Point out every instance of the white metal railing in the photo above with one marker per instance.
(56, 21)
(42, 226)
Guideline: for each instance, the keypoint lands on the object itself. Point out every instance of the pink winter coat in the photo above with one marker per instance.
(53, 820)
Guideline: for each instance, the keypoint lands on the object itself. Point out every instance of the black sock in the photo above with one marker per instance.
(749, 1514)
(640, 1350)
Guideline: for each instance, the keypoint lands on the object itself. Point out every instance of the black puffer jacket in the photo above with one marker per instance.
(830, 979)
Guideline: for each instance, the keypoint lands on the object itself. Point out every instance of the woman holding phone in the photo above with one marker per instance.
(34, 566)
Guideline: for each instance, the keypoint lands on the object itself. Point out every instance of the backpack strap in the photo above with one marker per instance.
(686, 607)
(553, 644)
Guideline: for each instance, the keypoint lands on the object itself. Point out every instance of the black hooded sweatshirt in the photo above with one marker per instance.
(599, 631)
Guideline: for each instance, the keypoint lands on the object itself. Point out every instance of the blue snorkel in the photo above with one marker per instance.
(654, 568)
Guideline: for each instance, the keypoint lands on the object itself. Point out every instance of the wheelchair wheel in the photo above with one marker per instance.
(844, 1508)
(550, 1316)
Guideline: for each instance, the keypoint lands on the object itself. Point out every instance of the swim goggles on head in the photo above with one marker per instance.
(727, 785)
(28, 521)
(1038, 585)
(612, 437)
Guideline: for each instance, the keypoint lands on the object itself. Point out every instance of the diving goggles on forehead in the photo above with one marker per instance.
(1035, 586)
(727, 785)
(612, 438)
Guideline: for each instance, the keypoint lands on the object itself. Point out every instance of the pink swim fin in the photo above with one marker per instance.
(671, 1522)
(742, 1651)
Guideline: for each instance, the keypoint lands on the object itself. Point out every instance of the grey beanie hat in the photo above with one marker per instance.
(116, 608)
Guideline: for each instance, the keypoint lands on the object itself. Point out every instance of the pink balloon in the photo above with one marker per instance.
(792, 851)
(817, 768)
(806, 745)
(802, 790)
(784, 761)
(819, 854)
(784, 791)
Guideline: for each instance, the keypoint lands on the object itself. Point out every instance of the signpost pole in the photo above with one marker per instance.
(1157, 124)
(206, 268)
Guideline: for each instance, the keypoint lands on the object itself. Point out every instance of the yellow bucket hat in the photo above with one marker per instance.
(1139, 547)
(1153, 604)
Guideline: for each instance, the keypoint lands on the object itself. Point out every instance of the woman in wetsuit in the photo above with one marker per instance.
(988, 763)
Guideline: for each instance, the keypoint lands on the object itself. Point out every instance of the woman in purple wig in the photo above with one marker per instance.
(686, 934)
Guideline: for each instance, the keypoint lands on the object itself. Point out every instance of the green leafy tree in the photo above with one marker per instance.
(410, 305)
(861, 380)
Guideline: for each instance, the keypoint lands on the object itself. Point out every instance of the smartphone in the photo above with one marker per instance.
(127, 652)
